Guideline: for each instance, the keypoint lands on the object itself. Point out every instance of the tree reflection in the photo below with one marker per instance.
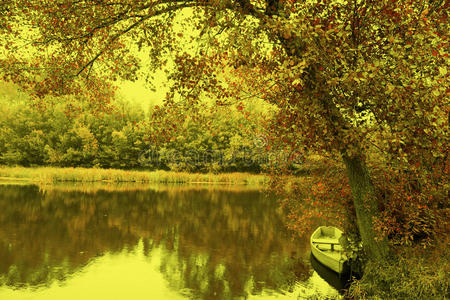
(216, 244)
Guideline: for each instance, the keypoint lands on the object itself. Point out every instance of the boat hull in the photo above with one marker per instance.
(339, 281)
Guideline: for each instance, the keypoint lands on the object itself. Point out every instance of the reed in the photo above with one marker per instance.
(415, 273)
(94, 187)
(50, 175)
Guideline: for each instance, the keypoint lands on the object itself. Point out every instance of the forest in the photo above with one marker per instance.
(70, 133)
(355, 90)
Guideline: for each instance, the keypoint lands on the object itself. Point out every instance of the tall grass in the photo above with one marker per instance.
(411, 275)
(50, 175)
(93, 187)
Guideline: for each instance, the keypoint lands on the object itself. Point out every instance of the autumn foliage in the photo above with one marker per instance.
(364, 82)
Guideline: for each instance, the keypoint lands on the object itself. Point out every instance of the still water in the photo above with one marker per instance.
(165, 242)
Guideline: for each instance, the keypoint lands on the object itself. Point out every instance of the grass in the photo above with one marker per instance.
(413, 274)
(93, 187)
(51, 175)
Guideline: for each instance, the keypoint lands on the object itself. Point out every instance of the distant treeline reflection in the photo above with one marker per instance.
(49, 235)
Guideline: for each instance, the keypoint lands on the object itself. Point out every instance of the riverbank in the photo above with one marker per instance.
(415, 273)
(50, 175)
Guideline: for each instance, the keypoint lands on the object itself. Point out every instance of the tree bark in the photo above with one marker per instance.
(366, 206)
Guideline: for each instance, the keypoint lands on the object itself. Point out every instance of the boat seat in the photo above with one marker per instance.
(326, 241)
(327, 244)
(328, 247)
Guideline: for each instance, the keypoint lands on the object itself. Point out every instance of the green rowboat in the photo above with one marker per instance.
(326, 248)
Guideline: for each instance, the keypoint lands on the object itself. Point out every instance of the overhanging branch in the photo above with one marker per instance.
(141, 20)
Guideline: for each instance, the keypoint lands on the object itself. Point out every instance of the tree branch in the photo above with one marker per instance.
(131, 27)
(272, 7)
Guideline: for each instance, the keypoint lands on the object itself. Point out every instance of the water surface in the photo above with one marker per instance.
(150, 243)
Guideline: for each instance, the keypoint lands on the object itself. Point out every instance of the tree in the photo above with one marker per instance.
(341, 72)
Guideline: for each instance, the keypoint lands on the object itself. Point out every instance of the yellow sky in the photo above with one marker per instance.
(138, 92)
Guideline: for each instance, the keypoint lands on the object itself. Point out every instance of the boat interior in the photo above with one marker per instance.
(327, 240)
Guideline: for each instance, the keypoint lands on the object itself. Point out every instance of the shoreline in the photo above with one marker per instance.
(50, 175)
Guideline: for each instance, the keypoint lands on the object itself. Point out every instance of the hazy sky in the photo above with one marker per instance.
(138, 92)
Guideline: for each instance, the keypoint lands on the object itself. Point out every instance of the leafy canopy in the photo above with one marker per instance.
(349, 77)
(338, 70)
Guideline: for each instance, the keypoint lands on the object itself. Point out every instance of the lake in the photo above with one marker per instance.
(162, 242)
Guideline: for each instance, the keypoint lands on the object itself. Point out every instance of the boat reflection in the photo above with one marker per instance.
(339, 282)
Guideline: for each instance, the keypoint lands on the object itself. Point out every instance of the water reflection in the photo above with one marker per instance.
(339, 282)
(198, 243)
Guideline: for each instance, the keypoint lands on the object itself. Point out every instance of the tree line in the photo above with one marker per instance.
(70, 133)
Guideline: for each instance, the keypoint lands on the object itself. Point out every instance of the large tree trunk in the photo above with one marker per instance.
(363, 191)
(366, 206)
